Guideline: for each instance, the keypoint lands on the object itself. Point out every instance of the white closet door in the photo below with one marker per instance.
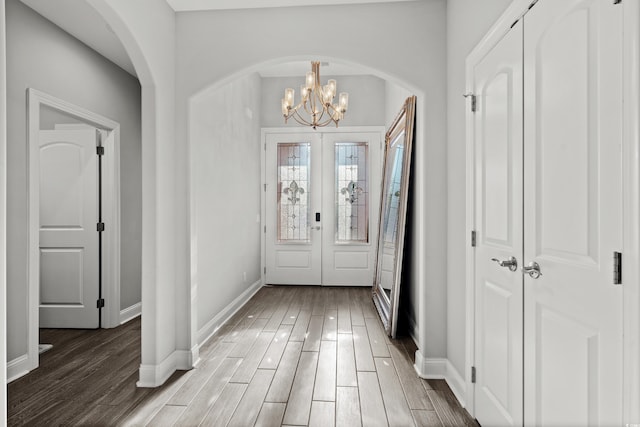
(498, 136)
(572, 210)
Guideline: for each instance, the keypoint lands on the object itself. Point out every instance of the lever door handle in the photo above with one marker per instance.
(511, 263)
(317, 227)
(533, 270)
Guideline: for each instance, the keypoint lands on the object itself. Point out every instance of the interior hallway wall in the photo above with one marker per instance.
(467, 23)
(225, 136)
(42, 56)
(404, 41)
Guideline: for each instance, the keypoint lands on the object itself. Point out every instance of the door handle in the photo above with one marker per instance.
(317, 227)
(533, 270)
(511, 263)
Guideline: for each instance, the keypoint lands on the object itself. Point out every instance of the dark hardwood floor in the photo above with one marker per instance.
(291, 355)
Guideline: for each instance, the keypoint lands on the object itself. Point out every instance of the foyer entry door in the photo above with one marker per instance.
(321, 199)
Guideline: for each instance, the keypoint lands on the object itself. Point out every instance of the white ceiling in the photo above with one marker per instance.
(189, 5)
(80, 20)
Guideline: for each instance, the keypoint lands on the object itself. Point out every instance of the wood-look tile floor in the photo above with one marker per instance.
(292, 356)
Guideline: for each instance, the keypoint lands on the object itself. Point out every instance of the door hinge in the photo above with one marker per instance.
(473, 374)
(100, 303)
(265, 228)
(100, 226)
(473, 238)
(265, 270)
(265, 187)
(265, 146)
(617, 268)
(100, 150)
(474, 105)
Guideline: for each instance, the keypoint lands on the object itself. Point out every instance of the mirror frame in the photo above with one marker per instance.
(388, 307)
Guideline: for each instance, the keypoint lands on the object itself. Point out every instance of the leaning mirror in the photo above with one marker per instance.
(393, 212)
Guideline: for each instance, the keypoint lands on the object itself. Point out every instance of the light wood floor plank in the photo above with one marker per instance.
(348, 407)
(426, 418)
(207, 396)
(346, 362)
(302, 324)
(299, 406)
(449, 411)
(323, 414)
(245, 342)
(273, 354)
(330, 326)
(371, 404)
(283, 379)
(271, 415)
(314, 334)
(412, 385)
(355, 308)
(318, 302)
(395, 403)
(278, 315)
(325, 385)
(202, 373)
(167, 417)
(362, 349)
(249, 407)
(377, 338)
(250, 363)
(224, 407)
(344, 316)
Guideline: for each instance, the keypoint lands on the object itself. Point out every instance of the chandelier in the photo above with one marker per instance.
(316, 101)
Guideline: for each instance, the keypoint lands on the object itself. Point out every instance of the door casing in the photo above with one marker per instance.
(111, 213)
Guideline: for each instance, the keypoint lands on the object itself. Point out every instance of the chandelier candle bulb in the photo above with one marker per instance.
(311, 79)
(303, 93)
(289, 95)
(332, 87)
(344, 101)
(285, 110)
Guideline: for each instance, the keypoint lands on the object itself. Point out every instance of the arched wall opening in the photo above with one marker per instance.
(224, 124)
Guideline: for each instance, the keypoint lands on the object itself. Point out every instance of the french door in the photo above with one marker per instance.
(321, 207)
(548, 138)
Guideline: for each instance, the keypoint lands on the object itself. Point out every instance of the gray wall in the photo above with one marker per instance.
(225, 144)
(365, 93)
(41, 56)
(467, 23)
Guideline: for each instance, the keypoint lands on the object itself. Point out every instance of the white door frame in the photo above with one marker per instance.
(111, 212)
(631, 204)
(289, 130)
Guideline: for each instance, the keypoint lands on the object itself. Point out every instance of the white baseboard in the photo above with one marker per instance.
(130, 313)
(205, 333)
(18, 367)
(441, 369)
(156, 375)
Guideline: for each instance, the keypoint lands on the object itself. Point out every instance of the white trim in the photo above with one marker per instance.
(130, 313)
(155, 375)
(207, 331)
(631, 213)
(18, 367)
(442, 369)
(111, 214)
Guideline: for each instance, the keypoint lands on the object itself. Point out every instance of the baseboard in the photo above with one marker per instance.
(205, 333)
(130, 313)
(155, 375)
(441, 369)
(18, 367)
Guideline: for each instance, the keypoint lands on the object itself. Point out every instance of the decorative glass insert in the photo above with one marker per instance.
(352, 192)
(294, 174)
